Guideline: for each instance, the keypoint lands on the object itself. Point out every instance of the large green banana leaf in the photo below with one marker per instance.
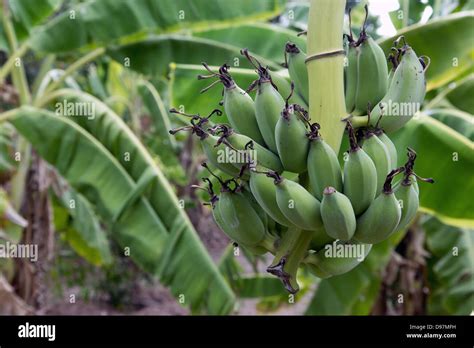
(153, 56)
(448, 41)
(451, 268)
(461, 96)
(446, 156)
(101, 22)
(266, 40)
(25, 17)
(460, 121)
(168, 246)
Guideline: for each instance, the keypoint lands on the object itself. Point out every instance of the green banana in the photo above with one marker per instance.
(290, 137)
(238, 105)
(336, 258)
(297, 204)
(360, 176)
(295, 61)
(289, 255)
(208, 142)
(236, 217)
(372, 72)
(392, 150)
(379, 154)
(320, 239)
(404, 96)
(268, 102)
(381, 219)
(245, 149)
(323, 165)
(407, 191)
(337, 215)
(245, 190)
(264, 191)
(408, 200)
(351, 76)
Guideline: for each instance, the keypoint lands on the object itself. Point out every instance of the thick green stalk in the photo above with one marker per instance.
(326, 74)
(21, 84)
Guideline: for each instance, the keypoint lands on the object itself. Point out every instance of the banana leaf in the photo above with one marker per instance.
(460, 121)
(153, 56)
(266, 40)
(448, 158)
(165, 245)
(153, 102)
(102, 22)
(450, 268)
(84, 234)
(25, 17)
(461, 95)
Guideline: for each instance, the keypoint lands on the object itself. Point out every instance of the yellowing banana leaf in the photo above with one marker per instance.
(448, 41)
(102, 22)
(84, 234)
(159, 235)
(448, 158)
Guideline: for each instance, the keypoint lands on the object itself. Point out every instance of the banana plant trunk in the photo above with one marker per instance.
(325, 65)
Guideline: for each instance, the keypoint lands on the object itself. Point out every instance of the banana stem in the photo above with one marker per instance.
(290, 253)
(326, 72)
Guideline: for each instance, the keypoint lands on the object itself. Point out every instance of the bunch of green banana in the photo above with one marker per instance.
(366, 72)
(323, 166)
(290, 137)
(405, 93)
(289, 194)
(268, 102)
(295, 61)
(360, 175)
(238, 105)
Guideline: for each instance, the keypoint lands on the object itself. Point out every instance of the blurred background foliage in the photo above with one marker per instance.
(115, 187)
